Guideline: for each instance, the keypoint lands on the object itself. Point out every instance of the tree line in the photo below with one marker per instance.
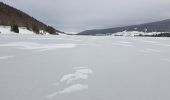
(10, 16)
(49, 29)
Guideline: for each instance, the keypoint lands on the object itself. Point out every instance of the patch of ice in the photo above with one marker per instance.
(70, 89)
(38, 46)
(81, 73)
(5, 57)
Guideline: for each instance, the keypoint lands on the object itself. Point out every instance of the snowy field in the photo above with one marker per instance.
(35, 67)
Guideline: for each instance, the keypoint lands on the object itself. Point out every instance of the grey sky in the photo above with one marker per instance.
(79, 15)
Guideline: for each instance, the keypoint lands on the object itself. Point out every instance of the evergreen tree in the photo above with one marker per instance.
(27, 26)
(51, 30)
(36, 29)
(14, 28)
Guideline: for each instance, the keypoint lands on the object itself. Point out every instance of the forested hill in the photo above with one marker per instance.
(12, 16)
(159, 26)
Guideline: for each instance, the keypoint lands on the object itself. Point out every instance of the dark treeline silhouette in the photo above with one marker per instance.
(157, 35)
(10, 16)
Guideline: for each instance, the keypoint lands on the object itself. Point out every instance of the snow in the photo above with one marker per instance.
(73, 88)
(5, 57)
(134, 33)
(122, 44)
(22, 30)
(73, 33)
(148, 50)
(165, 59)
(37, 46)
(81, 73)
(94, 68)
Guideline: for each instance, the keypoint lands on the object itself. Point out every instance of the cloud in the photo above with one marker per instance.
(78, 15)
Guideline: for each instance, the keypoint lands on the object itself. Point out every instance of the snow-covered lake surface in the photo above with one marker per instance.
(35, 67)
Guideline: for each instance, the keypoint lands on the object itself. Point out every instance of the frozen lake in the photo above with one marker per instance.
(84, 68)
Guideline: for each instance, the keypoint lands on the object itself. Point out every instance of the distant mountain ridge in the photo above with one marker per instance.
(159, 26)
(10, 15)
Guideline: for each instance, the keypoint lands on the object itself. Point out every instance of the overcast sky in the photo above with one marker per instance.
(79, 15)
